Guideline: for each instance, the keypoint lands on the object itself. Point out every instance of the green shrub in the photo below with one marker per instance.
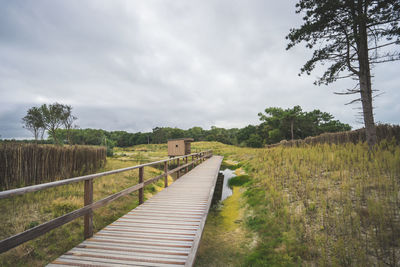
(238, 180)
(62, 208)
(31, 225)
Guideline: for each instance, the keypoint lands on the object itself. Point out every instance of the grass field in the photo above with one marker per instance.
(323, 205)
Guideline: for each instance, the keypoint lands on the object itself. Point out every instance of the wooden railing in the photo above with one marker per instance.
(89, 206)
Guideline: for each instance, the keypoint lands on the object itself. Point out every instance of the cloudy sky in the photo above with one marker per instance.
(134, 65)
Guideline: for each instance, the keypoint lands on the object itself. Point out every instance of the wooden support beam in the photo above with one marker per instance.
(166, 174)
(178, 172)
(88, 218)
(141, 174)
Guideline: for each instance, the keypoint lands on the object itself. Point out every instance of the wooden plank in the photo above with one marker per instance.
(138, 242)
(164, 204)
(157, 235)
(168, 215)
(173, 208)
(148, 235)
(188, 213)
(144, 230)
(113, 252)
(165, 227)
(149, 242)
(168, 211)
(136, 246)
(85, 259)
(160, 217)
(149, 222)
(113, 247)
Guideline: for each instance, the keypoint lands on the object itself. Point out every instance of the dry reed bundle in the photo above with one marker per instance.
(28, 164)
(383, 131)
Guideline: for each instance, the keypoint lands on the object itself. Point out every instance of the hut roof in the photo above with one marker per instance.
(184, 139)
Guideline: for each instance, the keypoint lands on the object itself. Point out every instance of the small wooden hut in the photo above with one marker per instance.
(179, 147)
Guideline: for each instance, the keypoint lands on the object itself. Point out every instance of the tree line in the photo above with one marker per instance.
(276, 124)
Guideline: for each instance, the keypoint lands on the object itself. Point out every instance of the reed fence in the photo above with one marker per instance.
(30, 164)
(383, 132)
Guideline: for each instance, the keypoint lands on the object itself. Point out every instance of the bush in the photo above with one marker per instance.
(238, 180)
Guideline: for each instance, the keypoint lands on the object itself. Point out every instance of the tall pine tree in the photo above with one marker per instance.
(353, 35)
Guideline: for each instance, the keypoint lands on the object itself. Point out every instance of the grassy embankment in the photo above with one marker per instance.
(23, 212)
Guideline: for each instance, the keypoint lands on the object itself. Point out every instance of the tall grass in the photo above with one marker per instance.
(28, 164)
(328, 205)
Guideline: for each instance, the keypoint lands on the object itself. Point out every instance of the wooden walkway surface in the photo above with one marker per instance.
(164, 231)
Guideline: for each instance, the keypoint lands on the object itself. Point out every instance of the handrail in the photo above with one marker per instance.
(34, 188)
(87, 210)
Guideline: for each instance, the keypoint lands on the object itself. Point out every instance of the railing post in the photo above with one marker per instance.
(192, 161)
(177, 173)
(88, 218)
(166, 174)
(141, 189)
(187, 167)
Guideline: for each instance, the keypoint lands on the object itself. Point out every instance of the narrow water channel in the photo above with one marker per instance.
(226, 191)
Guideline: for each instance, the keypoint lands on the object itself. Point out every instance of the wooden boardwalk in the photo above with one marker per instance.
(164, 231)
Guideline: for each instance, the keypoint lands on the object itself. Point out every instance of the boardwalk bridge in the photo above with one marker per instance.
(163, 231)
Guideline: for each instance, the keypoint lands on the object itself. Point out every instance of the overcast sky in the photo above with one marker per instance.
(134, 65)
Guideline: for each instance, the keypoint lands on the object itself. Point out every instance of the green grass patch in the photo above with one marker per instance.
(225, 240)
(231, 165)
(238, 180)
